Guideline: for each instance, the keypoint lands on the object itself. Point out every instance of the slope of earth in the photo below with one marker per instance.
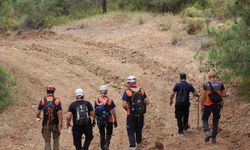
(106, 49)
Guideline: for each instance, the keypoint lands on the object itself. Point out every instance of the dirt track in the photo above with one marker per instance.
(89, 53)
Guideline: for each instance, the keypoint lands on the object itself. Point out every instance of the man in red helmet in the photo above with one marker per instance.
(52, 118)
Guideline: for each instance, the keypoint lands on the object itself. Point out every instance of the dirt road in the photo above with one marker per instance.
(91, 52)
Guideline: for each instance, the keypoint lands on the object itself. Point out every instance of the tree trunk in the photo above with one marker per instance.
(104, 6)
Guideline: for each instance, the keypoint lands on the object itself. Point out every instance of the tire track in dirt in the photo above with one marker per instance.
(106, 75)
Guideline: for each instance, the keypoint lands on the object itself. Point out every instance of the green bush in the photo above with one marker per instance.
(192, 12)
(194, 25)
(6, 87)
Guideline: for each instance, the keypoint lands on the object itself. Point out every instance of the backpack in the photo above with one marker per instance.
(181, 98)
(82, 115)
(214, 96)
(49, 110)
(102, 112)
(138, 107)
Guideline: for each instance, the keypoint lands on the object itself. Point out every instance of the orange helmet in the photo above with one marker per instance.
(50, 88)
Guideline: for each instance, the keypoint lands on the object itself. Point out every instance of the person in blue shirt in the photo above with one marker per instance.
(181, 92)
(52, 118)
(134, 102)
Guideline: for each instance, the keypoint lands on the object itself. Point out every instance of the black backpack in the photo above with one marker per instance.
(138, 107)
(82, 115)
(49, 110)
(214, 96)
(182, 96)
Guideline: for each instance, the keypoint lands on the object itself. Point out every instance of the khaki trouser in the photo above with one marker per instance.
(46, 131)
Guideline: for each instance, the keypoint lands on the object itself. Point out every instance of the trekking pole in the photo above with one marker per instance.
(198, 113)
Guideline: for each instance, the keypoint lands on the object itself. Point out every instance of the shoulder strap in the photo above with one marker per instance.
(210, 84)
(45, 100)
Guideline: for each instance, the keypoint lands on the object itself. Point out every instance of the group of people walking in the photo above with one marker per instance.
(82, 117)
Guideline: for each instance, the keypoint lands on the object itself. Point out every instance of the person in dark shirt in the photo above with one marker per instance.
(105, 116)
(182, 91)
(134, 102)
(81, 111)
(52, 118)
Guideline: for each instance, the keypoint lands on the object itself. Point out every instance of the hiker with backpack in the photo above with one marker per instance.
(134, 102)
(81, 112)
(105, 116)
(212, 102)
(181, 92)
(52, 118)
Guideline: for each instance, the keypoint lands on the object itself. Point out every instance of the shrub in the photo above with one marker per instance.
(192, 12)
(194, 25)
(6, 87)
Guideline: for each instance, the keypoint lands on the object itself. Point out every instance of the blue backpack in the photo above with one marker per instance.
(102, 112)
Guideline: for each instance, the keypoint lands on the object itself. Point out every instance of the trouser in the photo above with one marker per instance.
(46, 131)
(106, 132)
(215, 109)
(134, 129)
(78, 132)
(182, 115)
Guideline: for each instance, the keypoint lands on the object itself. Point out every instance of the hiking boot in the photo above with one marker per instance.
(208, 136)
(181, 134)
(213, 141)
(187, 127)
(132, 148)
(106, 147)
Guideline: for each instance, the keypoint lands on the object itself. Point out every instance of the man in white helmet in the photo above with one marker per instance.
(134, 102)
(105, 116)
(81, 111)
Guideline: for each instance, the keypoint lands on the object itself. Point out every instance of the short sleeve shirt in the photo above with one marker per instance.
(73, 106)
(128, 98)
(184, 85)
(58, 106)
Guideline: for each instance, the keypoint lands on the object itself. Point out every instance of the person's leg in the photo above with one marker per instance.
(56, 136)
(178, 116)
(109, 129)
(186, 116)
(138, 129)
(88, 137)
(216, 118)
(46, 131)
(205, 117)
(102, 135)
(77, 138)
(131, 131)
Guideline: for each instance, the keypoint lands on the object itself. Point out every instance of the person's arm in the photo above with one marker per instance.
(113, 114)
(125, 105)
(38, 114)
(172, 97)
(39, 110)
(202, 100)
(69, 117)
(114, 117)
(60, 118)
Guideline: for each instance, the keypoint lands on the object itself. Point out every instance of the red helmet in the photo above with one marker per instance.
(50, 88)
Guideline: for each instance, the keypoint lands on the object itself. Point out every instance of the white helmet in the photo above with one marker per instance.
(131, 78)
(103, 88)
(79, 92)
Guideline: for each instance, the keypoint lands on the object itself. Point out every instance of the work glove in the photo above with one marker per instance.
(115, 124)
(93, 123)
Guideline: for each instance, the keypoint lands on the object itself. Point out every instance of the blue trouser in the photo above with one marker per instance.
(215, 109)
(134, 129)
(106, 132)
